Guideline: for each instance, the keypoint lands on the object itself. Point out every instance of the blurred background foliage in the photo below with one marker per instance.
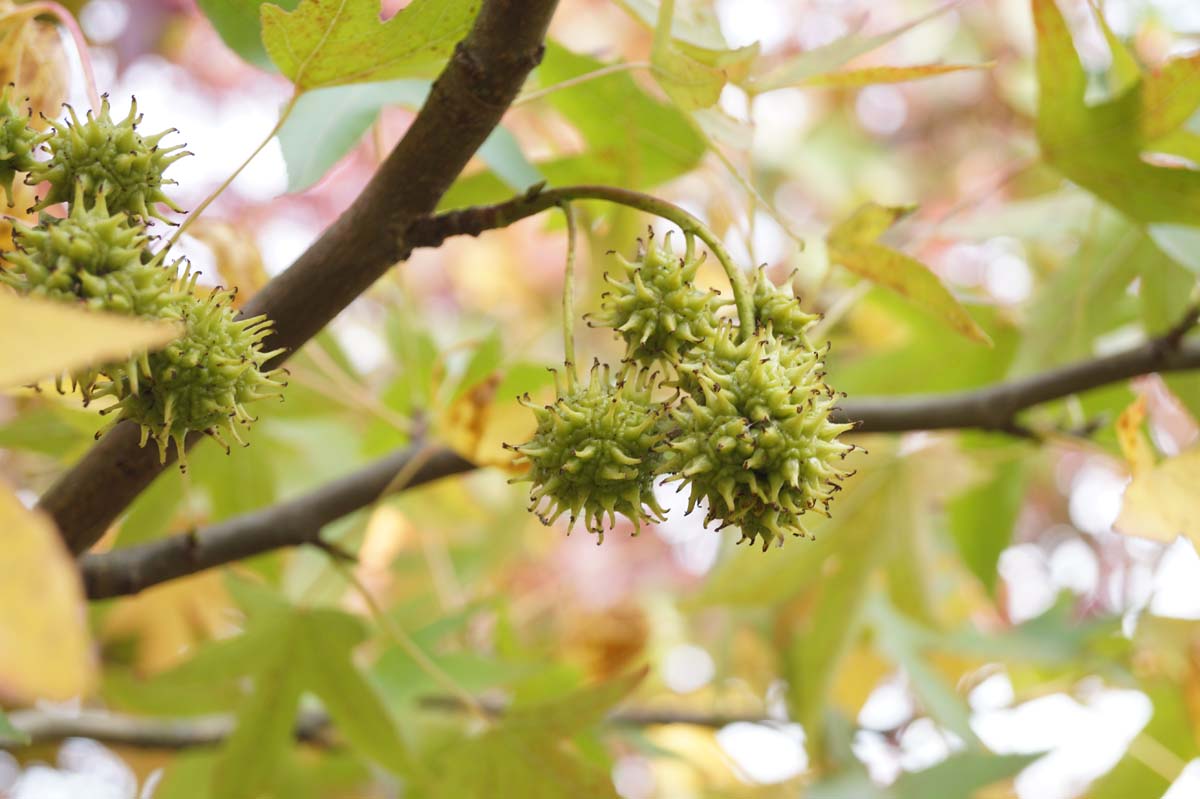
(968, 623)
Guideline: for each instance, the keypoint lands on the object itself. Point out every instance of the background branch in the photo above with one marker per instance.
(312, 725)
(293, 523)
(466, 103)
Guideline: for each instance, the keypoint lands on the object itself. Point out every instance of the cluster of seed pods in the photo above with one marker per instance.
(740, 419)
(101, 255)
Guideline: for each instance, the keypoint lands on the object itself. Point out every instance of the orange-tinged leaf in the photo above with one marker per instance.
(45, 648)
(1164, 502)
(33, 58)
(870, 75)
(852, 244)
(1134, 446)
(57, 338)
(465, 422)
(1170, 96)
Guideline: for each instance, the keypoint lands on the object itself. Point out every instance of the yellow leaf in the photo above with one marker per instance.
(1164, 502)
(871, 75)
(32, 57)
(859, 673)
(463, 423)
(239, 261)
(1134, 445)
(169, 621)
(56, 338)
(45, 649)
(852, 243)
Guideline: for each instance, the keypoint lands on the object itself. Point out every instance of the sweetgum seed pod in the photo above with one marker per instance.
(594, 452)
(99, 261)
(780, 310)
(203, 381)
(102, 155)
(18, 141)
(654, 305)
(91, 256)
(754, 440)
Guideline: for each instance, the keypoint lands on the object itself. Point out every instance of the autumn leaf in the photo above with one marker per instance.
(852, 243)
(335, 42)
(867, 76)
(691, 83)
(819, 61)
(57, 338)
(45, 649)
(1132, 441)
(1164, 502)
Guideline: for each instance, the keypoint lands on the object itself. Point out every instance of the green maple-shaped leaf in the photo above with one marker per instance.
(287, 652)
(335, 42)
(529, 754)
(1108, 148)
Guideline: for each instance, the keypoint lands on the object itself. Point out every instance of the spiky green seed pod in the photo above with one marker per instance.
(99, 261)
(17, 142)
(203, 381)
(93, 257)
(594, 452)
(779, 309)
(654, 305)
(103, 155)
(754, 439)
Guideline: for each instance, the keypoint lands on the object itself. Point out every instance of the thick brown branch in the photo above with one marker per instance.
(312, 725)
(467, 101)
(293, 523)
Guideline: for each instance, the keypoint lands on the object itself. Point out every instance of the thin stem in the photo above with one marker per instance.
(568, 300)
(750, 189)
(584, 78)
(85, 59)
(538, 200)
(195, 214)
(1156, 757)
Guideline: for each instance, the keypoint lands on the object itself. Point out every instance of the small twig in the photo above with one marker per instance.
(336, 551)
(433, 230)
(1174, 337)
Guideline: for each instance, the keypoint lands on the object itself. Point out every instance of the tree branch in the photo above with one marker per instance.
(146, 732)
(299, 521)
(289, 524)
(991, 408)
(996, 407)
(476, 87)
(312, 725)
